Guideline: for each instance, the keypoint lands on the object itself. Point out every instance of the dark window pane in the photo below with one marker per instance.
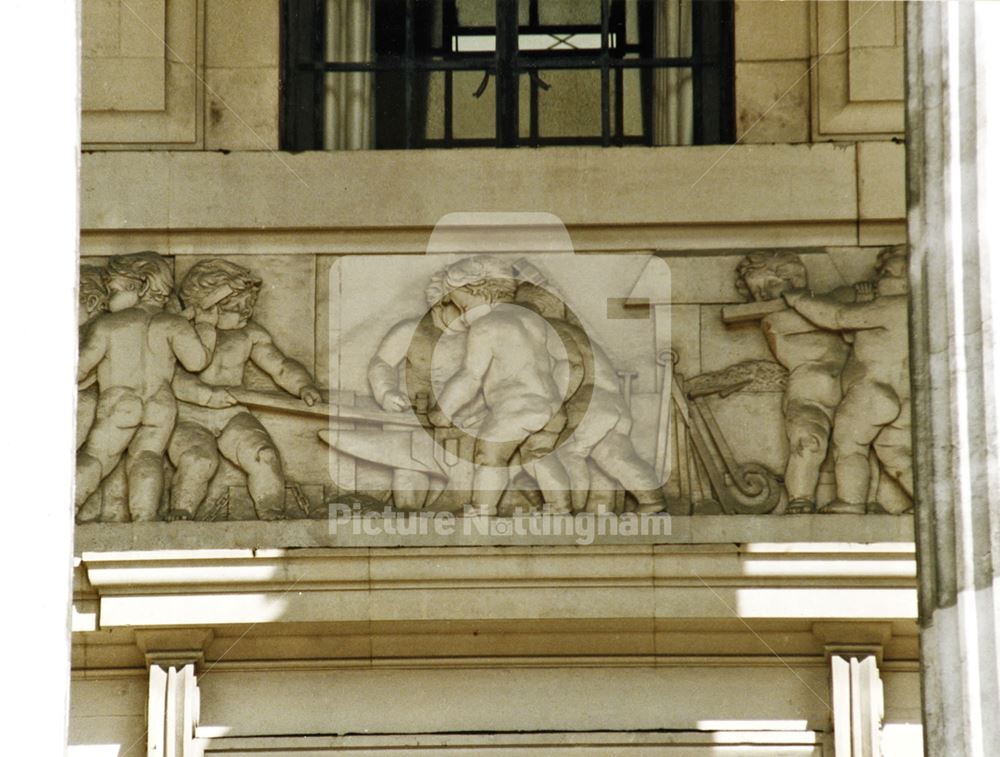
(569, 12)
(416, 73)
(476, 12)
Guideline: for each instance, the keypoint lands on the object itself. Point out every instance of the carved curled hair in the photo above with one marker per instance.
(93, 288)
(784, 264)
(150, 269)
(485, 276)
(888, 254)
(436, 289)
(207, 276)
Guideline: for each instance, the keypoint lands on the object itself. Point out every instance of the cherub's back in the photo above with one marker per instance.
(522, 363)
(138, 355)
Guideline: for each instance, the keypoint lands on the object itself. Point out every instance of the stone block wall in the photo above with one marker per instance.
(204, 74)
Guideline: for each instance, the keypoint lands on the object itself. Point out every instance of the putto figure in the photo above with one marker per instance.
(414, 355)
(875, 411)
(814, 358)
(134, 349)
(512, 357)
(210, 422)
(93, 301)
(599, 420)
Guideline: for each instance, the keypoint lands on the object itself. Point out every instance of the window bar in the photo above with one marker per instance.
(507, 74)
(479, 63)
(533, 80)
(605, 75)
(696, 74)
(449, 108)
(533, 115)
(302, 108)
(645, 18)
(618, 23)
(408, 70)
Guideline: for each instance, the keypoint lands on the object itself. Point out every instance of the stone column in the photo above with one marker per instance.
(172, 709)
(858, 702)
(173, 703)
(953, 145)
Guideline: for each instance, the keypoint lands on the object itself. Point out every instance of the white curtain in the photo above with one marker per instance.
(348, 111)
(673, 93)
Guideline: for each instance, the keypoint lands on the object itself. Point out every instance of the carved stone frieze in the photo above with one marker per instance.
(506, 383)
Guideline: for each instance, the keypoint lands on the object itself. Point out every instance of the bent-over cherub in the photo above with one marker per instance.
(509, 357)
(210, 422)
(134, 349)
(875, 411)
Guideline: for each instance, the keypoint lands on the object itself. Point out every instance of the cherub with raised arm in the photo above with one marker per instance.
(210, 422)
(814, 358)
(134, 349)
(415, 354)
(874, 413)
(513, 358)
(403, 366)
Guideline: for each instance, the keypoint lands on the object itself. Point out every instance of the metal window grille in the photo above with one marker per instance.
(515, 52)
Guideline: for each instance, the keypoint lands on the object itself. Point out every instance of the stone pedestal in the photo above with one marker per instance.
(953, 120)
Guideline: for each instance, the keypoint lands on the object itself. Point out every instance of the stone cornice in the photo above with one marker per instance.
(829, 581)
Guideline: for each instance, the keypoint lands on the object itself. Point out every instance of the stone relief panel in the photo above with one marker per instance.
(276, 387)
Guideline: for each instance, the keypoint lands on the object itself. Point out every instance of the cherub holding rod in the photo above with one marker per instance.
(210, 422)
(814, 358)
(875, 411)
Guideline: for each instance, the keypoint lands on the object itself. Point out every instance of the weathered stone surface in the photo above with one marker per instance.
(590, 388)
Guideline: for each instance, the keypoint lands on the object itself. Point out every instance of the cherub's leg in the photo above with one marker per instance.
(114, 496)
(865, 409)
(616, 455)
(119, 413)
(599, 417)
(894, 449)
(86, 413)
(547, 469)
(145, 459)
(409, 489)
(492, 459)
(195, 457)
(246, 443)
(807, 425)
(574, 460)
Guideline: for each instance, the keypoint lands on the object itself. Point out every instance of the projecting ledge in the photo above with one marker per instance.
(815, 568)
(365, 533)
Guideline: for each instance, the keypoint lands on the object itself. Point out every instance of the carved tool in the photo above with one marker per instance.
(664, 432)
(406, 450)
(273, 401)
(626, 378)
(751, 311)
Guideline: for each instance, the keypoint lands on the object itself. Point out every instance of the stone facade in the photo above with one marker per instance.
(753, 335)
